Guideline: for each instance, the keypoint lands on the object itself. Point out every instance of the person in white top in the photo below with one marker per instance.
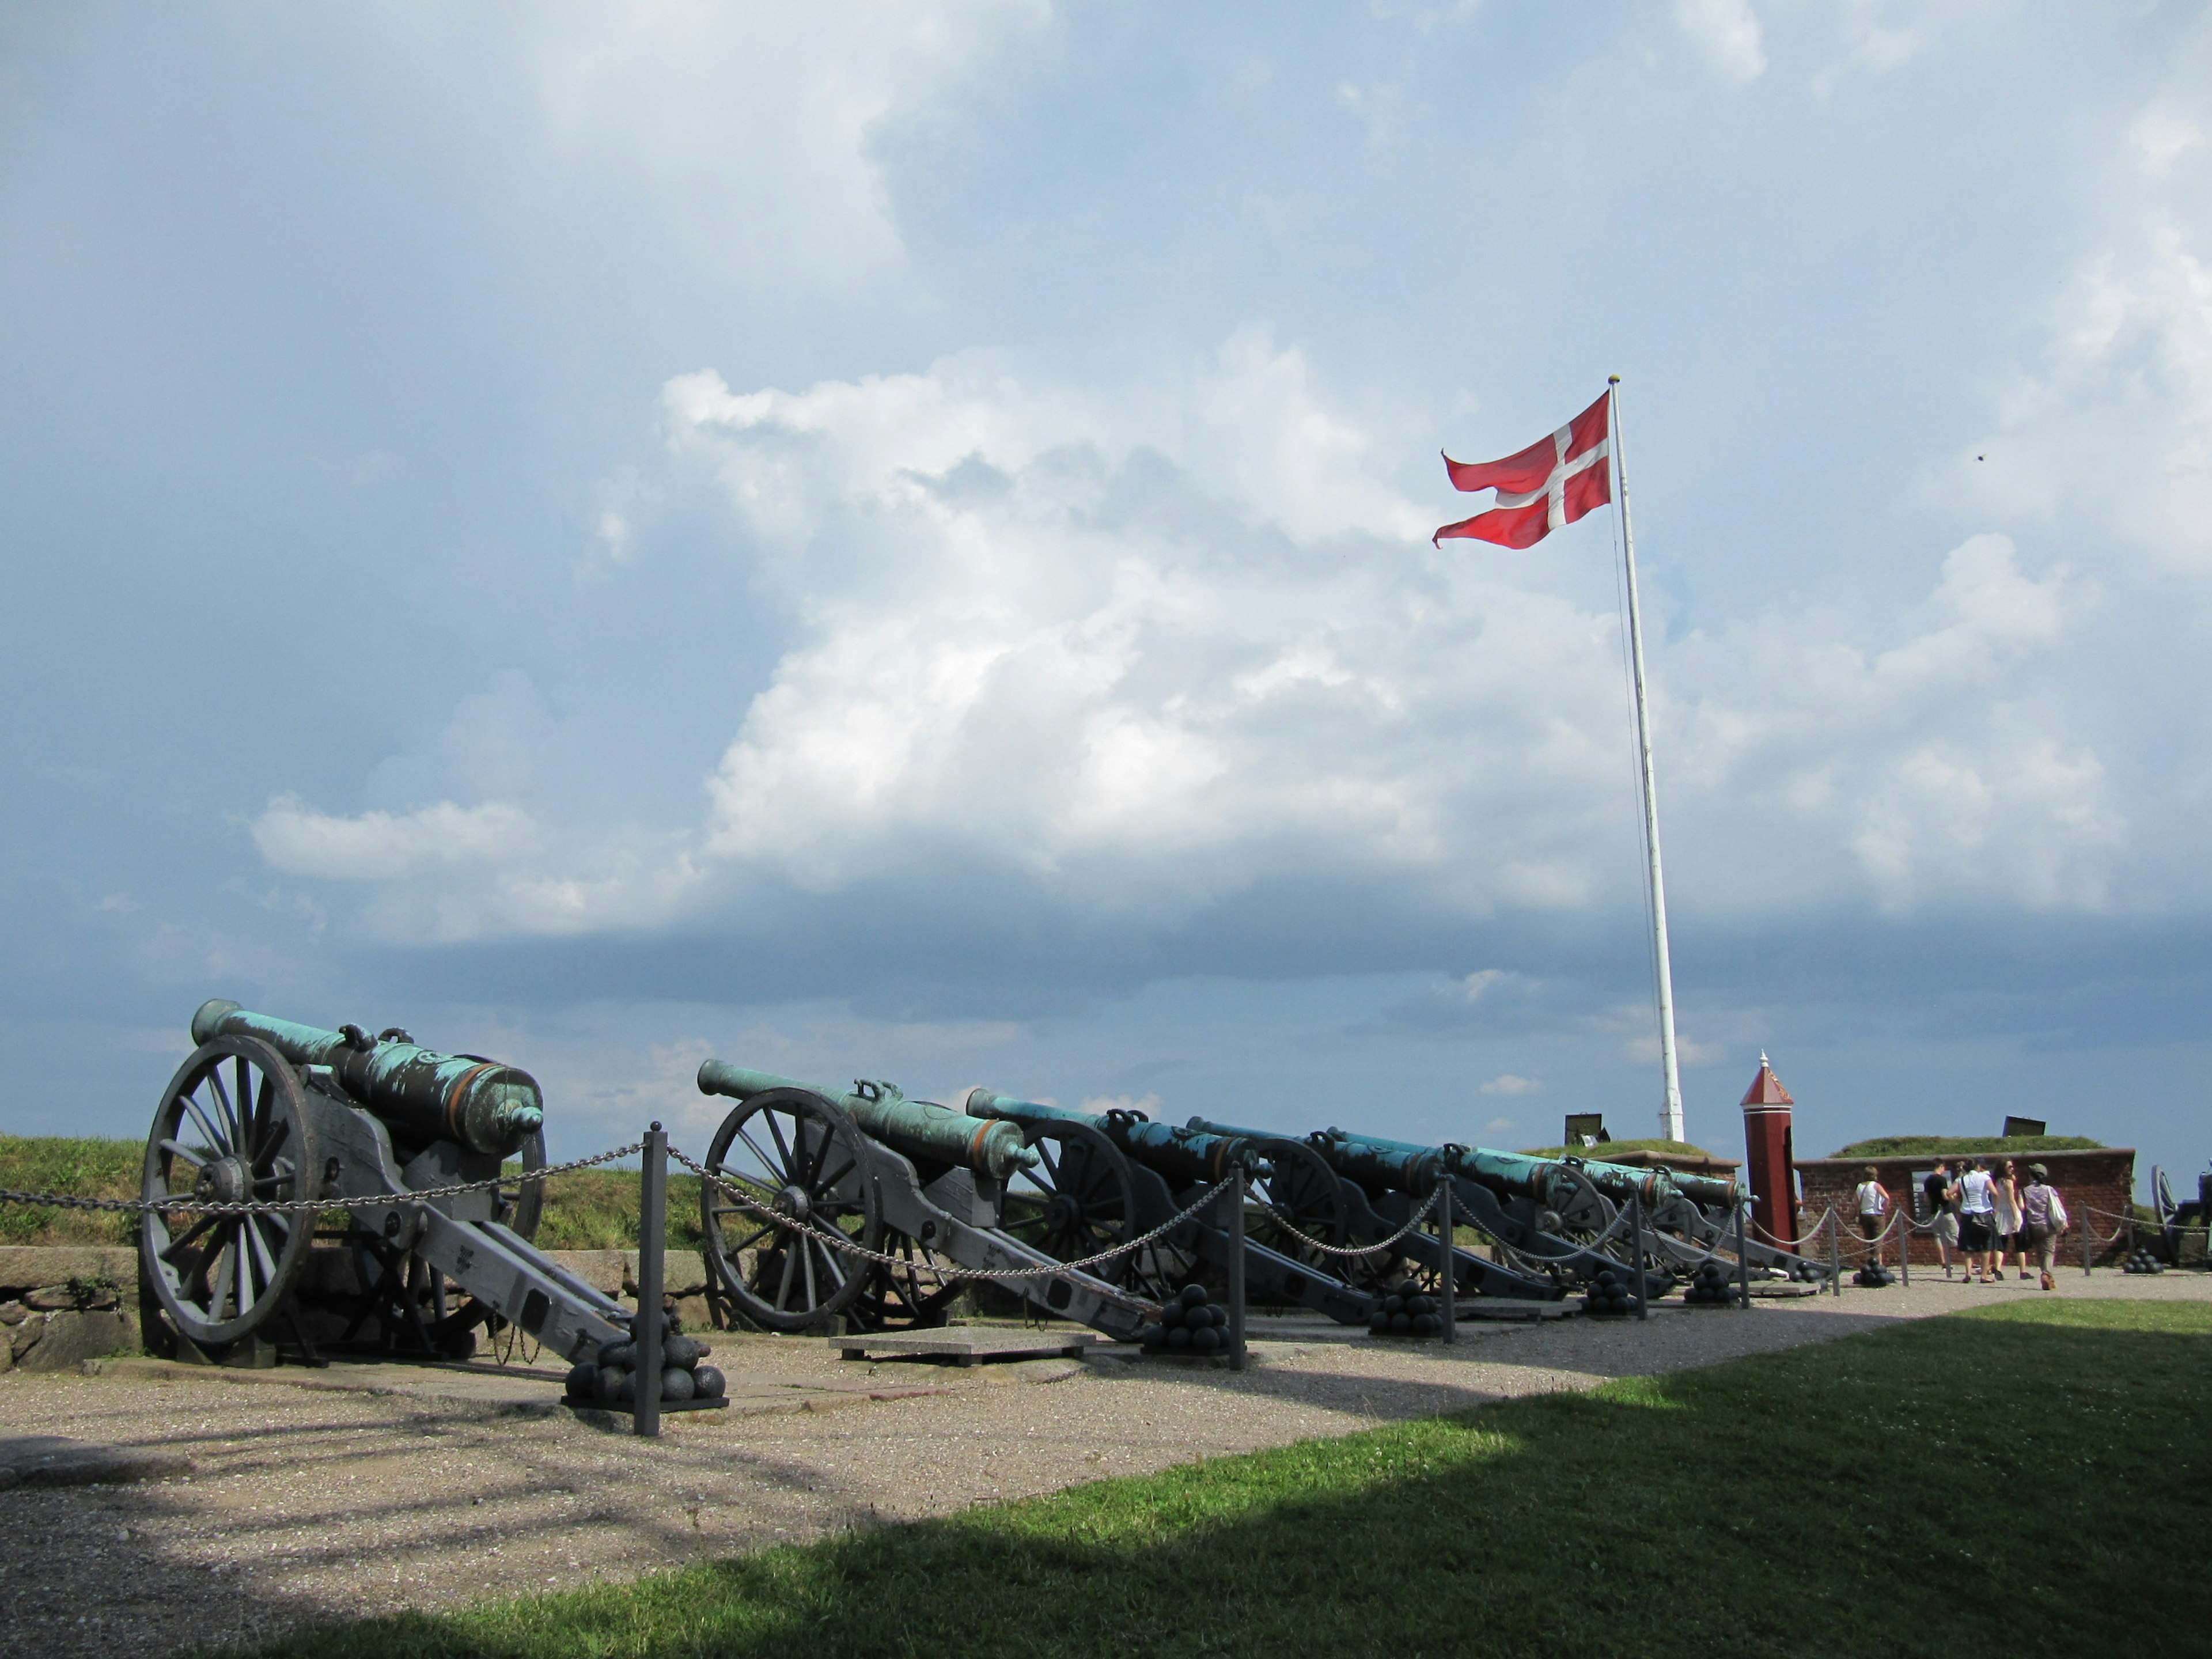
(1874, 1211)
(1977, 1217)
(2007, 1197)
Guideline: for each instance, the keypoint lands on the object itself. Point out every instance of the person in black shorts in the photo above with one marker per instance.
(1942, 1201)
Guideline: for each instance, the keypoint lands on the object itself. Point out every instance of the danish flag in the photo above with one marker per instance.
(1552, 481)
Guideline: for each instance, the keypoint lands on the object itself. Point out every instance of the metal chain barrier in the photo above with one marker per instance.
(2128, 1223)
(838, 1241)
(299, 1206)
(1795, 1245)
(1312, 1242)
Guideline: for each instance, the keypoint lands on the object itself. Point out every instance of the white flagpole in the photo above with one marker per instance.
(1670, 1110)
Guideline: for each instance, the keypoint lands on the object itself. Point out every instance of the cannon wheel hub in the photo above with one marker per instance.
(794, 1202)
(224, 1182)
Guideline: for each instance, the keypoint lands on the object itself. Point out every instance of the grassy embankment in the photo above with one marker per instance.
(584, 1210)
(2031, 1477)
(1946, 1145)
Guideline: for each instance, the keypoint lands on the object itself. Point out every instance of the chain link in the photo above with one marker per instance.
(1313, 1243)
(838, 1241)
(299, 1206)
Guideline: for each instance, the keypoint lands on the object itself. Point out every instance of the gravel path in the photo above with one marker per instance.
(306, 1505)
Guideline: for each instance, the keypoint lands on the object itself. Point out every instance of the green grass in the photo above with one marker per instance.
(51, 1163)
(1941, 1145)
(1606, 1149)
(597, 1210)
(2032, 1478)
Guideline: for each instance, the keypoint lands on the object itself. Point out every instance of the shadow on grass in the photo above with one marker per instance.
(2033, 1477)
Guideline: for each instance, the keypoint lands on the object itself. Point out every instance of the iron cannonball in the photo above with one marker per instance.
(1179, 1338)
(676, 1385)
(708, 1383)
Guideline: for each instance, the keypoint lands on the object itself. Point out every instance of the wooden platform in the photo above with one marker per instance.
(965, 1345)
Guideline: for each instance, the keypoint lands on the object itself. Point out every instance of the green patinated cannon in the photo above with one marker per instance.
(1164, 1167)
(1557, 1184)
(487, 1107)
(919, 1128)
(836, 1206)
(1185, 1157)
(379, 1130)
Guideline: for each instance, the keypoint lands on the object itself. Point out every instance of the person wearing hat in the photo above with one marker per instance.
(1874, 1211)
(2042, 1219)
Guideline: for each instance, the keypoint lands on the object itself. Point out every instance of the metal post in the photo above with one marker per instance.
(1449, 1331)
(1835, 1254)
(1237, 1268)
(1670, 1105)
(1905, 1247)
(645, 1329)
(2088, 1227)
(1742, 1258)
(1642, 1283)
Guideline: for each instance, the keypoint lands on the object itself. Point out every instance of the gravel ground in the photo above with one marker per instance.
(306, 1504)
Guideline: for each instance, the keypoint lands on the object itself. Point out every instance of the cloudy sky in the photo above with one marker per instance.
(892, 541)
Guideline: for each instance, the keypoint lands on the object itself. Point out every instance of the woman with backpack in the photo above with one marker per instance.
(2042, 1219)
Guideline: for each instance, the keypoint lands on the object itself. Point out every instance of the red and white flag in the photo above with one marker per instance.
(1552, 481)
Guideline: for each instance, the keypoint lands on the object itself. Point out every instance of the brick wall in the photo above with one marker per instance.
(2103, 1180)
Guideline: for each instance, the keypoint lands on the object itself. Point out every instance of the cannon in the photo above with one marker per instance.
(1551, 1210)
(267, 1110)
(1338, 1210)
(913, 1180)
(1168, 1167)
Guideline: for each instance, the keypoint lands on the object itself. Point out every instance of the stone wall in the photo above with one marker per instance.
(63, 1303)
(59, 1306)
(2103, 1180)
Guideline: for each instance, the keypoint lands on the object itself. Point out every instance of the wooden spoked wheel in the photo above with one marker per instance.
(1078, 1200)
(232, 1128)
(806, 1168)
(1302, 1193)
(914, 1296)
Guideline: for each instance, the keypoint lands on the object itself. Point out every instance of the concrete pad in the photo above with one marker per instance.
(50, 1459)
(966, 1344)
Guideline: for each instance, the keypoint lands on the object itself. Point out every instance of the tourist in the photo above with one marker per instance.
(2007, 1197)
(2042, 1219)
(1874, 1211)
(1978, 1216)
(1943, 1211)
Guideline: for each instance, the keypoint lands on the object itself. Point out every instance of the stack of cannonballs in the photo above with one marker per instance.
(1407, 1310)
(2141, 1260)
(1189, 1324)
(1807, 1272)
(1711, 1286)
(1874, 1277)
(610, 1378)
(1613, 1292)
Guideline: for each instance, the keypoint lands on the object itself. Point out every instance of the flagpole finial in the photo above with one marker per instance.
(1612, 379)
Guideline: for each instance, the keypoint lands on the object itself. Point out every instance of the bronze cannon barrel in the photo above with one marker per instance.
(485, 1106)
(920, 1128)
(1184, 1156)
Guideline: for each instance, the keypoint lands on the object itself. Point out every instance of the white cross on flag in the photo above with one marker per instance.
(1552, 481)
